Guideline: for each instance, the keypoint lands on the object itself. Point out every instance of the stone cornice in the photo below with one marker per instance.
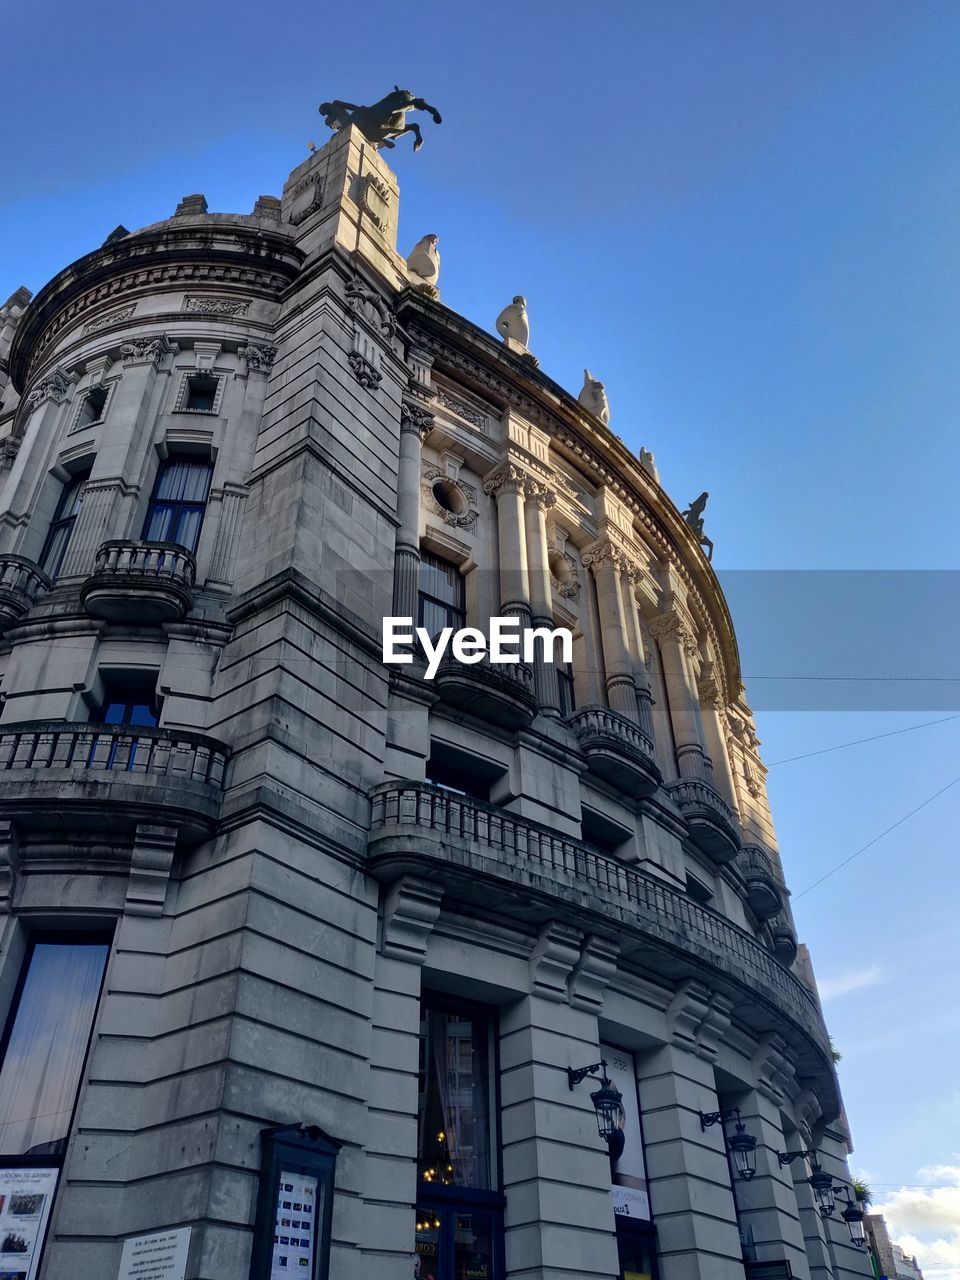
(253, 261)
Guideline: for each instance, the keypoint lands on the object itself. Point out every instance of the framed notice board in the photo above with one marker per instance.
(295, 1204)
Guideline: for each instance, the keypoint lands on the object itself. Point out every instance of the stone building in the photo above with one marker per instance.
(890, 1262)
(298, 947)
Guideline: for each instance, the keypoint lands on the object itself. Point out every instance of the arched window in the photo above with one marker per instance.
(179, 500)
(61, 527)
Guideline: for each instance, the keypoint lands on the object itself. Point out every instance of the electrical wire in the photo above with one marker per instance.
(842, 746)
(871, 843)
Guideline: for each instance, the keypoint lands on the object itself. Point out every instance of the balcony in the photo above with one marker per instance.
(784, 939)
(616, 749)
(510, 868)
(21, 582)
(710, 821)
(501, 693)
(86, 777)
(140, 582)
(764, 890)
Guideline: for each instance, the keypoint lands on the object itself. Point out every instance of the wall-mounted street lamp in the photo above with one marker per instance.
(826, 1193)
(607, 1103)
(743, 1145)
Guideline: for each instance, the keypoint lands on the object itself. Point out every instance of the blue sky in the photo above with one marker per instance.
(744, 218)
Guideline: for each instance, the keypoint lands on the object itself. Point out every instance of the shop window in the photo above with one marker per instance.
(441, 601)
(178, 502)
(459, 1217)
(45, 1045)
(61, 527)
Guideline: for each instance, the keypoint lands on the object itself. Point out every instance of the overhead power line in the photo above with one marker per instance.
(842, 746)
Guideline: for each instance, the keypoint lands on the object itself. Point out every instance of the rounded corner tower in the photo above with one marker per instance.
(312, 964)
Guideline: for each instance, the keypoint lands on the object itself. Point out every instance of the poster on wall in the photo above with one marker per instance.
(628, 1191)
(295, 1228)
(25, 1199)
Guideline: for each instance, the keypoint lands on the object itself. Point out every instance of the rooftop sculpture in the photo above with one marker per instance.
(694, 518)
(382, 123)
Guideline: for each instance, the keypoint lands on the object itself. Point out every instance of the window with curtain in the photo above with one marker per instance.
(46, 1045)
(454, 1129)
(441, 601)
(61, 527)
(178, 502)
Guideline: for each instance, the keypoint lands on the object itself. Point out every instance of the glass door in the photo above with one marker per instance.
(454, 1243)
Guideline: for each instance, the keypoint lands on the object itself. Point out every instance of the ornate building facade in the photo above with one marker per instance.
(302, 954)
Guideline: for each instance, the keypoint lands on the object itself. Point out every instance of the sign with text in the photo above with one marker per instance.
(294, 1235)
(628, 1191)
(158, 1257)
(25, 1199)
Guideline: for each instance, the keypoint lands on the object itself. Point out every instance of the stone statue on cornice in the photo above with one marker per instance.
(382, 123)
(694, 518)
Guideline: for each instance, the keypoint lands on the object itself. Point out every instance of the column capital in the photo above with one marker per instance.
(54, 386)
(148, 350)
(671, 624)
(539, 494)
(601, 552)
(414, 418)
(506, 477)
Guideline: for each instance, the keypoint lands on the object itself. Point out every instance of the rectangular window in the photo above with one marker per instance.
(178, 502)
(441, 601)
(46, 1044)
(91, 409)
(200, 393)
(454, 1126)
(124, 703)
(568, 697)
(61, 528)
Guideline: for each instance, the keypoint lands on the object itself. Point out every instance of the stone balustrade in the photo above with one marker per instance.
(21, 582)
(140, 582)
(710, 821)
(50, 770)
(617, 749)
(765, 890)
(502, 693)
(526, 870)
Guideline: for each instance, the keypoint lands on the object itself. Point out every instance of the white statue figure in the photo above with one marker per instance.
(593, 397)
(512, 323)
(649, 464)
(423, 265)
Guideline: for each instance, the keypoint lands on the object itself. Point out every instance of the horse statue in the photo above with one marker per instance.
(694, 518)
(382, 123)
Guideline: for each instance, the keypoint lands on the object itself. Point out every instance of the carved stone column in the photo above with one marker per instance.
(607, 564)
(415, 422)
(641, 678)
(711, 703)
(677, 646)
(506, 484)
(539, 501)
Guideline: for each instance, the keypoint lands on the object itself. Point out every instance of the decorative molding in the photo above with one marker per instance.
(148, 349)
(568, 588)
(150, 863)
(698, 1019)
(592, 974)
(113, 317)
(305, 198)
(53, 387)
(365, 372)
(217, 306)
(774, 1073)
(466, 519)
(410, 912)
(464, 411)
(257, 357)
(375, 201)
(553, 960)
(370, 306)
(414, 417)
(8, 864)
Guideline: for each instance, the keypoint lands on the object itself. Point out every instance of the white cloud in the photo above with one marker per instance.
(844, 983)
(925, 1221)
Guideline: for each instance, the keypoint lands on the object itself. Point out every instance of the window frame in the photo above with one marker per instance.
(67, 938)
(178, 506)
(456, 615)
(81, 479)
(183, 392)
(76, 425)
